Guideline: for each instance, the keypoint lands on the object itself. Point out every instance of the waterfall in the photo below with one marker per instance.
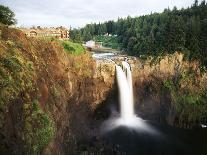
(126, 68)
(124, 80)
(128, 117)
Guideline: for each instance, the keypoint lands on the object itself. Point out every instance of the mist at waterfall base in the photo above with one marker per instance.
(132, 135)
(127, 116)
(126, 122)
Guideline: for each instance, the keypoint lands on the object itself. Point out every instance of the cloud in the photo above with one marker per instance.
(77, 13)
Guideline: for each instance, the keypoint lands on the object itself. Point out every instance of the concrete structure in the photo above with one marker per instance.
(58, 32)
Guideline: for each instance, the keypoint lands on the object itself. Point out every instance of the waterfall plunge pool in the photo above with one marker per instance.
(132, 135)
(169, 141)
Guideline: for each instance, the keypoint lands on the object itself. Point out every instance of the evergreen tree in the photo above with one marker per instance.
(159, 33)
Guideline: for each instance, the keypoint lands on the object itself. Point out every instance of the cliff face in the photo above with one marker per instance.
(169, 90)
(35, 83)
(76, 121)
(46, 94)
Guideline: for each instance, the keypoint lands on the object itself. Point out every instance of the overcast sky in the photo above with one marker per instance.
(77, 13)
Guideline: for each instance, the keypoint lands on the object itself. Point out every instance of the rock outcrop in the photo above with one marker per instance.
(164, 90)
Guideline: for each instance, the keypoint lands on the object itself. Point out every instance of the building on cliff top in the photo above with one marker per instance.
(58, 32)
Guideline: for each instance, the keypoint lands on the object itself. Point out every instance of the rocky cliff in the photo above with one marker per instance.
(169, 89)
(45, 93)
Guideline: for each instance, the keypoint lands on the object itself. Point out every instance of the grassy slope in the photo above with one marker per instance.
(72, 48)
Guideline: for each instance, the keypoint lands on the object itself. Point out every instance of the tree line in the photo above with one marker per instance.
(158, 33)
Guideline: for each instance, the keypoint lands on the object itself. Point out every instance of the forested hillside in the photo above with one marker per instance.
(158, 33)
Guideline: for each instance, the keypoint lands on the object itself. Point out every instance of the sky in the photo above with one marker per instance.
(77, 13)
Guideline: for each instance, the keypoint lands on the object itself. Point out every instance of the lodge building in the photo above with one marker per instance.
(58, 32)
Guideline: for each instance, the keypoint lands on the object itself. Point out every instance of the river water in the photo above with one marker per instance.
(168, 141)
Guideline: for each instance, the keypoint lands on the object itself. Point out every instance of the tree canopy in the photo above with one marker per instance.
(7, 16)
(173, 30)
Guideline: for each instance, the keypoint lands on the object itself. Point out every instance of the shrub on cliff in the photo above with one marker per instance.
(39, 129)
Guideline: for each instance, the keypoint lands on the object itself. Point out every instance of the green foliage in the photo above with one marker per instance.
(173, 89)
(187, 96)
(75, 35)
(73, 48)
(11, 63)
(14, 77)
(158, 33)
(108, 41)
(39, 129)
(6, 16)
(19, 96)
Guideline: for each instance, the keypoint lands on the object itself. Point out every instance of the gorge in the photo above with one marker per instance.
(55, 102)
(133, 135)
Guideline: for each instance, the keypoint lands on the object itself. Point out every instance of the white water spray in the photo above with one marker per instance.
(124, 80)
(127, 69)
(128, 117)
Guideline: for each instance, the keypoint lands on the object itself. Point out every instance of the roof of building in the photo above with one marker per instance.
(44, 30)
